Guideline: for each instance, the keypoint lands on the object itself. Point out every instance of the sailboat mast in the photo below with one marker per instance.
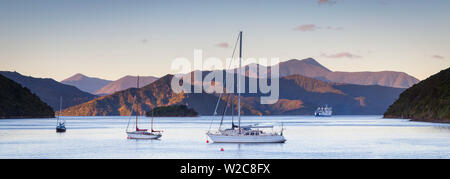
(59, 113)
(239, 81)
(232, 113)
(151, 127)
(60, 106)
(137, 104)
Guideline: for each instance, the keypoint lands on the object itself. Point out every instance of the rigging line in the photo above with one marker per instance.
(60, 109)
(131, 114)
(220, 96)
(229, 95)
(232, 114)
(224, 110)
(137, 103)
(58, 112)
(152, 119)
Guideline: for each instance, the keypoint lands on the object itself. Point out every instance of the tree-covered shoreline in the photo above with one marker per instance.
(17, 101)
(429, 100)
(172, 111)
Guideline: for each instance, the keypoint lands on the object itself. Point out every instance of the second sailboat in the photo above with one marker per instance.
(141, 133)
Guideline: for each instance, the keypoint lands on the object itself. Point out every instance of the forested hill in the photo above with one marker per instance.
(18, 102)
(429, 100)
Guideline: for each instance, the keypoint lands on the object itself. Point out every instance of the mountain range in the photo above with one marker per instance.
(103, 87)
(84, 83)
(50, 90)
(124, 83)
(18, 102)
(311, 68)
(307, 67)
(298, 95)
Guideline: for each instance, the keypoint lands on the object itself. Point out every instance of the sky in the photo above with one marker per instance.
(113, 38)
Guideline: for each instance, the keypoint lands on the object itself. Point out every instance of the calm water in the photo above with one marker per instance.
(307, 137)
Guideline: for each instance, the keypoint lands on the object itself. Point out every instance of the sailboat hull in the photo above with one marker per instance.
(143, 135)
(61, 128)
(217, 138)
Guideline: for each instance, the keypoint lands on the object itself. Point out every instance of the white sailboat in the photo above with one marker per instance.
(60, 124)
(141, 133)
(243, 134)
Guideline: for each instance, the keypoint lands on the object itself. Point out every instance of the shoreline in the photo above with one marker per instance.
(443, 121)
(25, 117)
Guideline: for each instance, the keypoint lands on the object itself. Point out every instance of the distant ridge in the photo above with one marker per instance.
(50, 90)
(18, 102)
(84, 83)
(311, 68)
(306, 67)
(382, 78)
(124, 83)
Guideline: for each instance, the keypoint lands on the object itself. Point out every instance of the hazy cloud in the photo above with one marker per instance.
(438, 57)
(223, 45)
(322, 2)
(307, 27)
(313, 27)
(342, 55)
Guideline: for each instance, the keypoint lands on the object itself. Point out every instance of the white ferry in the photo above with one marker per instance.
(323, 111)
